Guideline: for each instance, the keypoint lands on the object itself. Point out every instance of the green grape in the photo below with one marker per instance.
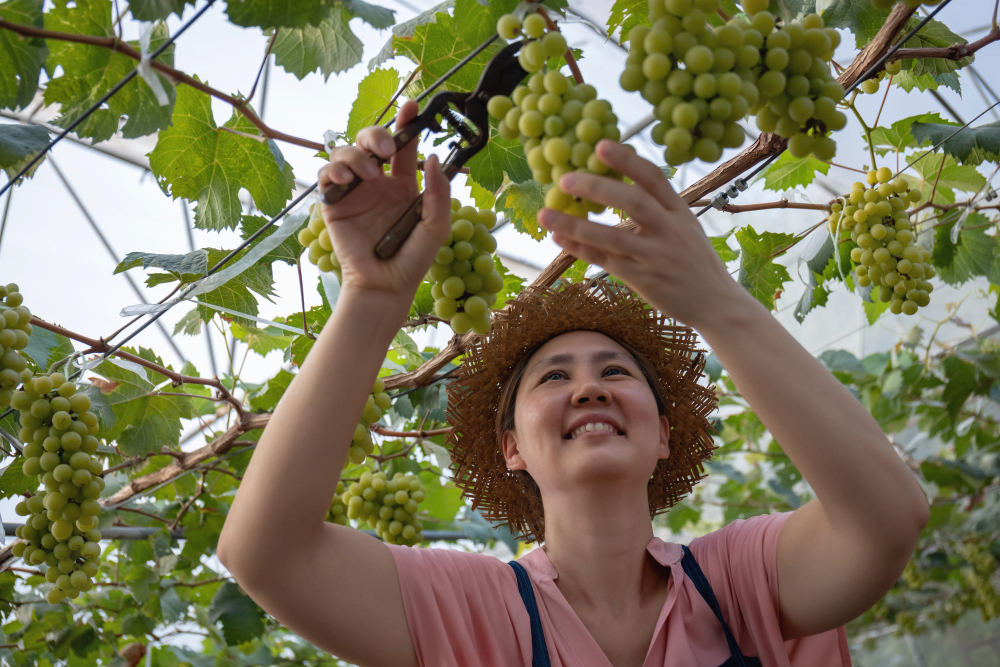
(554, 44)
(499, 105)
(508, 26)
(699, 59)
(533, 26)
(870, 86)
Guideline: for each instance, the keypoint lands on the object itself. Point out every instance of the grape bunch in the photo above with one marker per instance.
(390, 505)
(697, 77)
(887, 253)
(798, 94)
(14, 331)
(59, 435)
(315, 237)
(541, 44)
(870, 86)
(338, 509)
(361, 443)
(464, 280)
(558, 122)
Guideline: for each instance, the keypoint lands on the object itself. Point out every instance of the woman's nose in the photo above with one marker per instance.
(591, 392)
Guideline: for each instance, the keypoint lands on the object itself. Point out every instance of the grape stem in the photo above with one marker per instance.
(781, 203)
(868, 132)
(570, 60)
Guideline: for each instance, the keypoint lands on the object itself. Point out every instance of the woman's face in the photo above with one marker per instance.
(585, 379)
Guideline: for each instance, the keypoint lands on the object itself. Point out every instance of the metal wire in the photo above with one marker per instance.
(108, 95)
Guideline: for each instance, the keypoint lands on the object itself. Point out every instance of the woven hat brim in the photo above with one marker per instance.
(538, 314)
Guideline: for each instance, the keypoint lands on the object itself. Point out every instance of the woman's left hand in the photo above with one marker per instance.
(668, 260)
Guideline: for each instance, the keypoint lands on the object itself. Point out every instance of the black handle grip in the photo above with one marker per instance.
(396, 236)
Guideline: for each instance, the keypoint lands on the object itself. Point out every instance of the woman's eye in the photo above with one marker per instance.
(548, 376)
(619, 370)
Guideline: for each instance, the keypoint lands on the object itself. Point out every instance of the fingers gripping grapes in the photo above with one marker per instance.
(668, 259)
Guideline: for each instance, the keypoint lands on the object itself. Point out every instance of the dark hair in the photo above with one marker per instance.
(508, 396)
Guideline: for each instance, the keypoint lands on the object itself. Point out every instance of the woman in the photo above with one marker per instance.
(772, 590)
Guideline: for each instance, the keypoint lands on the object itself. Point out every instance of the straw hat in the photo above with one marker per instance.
(540, 313)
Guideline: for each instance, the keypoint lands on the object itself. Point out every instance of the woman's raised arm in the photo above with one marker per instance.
(331, 584)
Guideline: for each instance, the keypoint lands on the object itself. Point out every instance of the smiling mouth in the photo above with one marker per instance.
(593, 429)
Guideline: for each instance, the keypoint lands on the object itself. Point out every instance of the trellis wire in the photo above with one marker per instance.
(108, 95)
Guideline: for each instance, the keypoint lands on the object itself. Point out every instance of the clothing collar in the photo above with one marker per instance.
(540, 567)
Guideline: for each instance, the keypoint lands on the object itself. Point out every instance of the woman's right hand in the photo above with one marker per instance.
(358, 221)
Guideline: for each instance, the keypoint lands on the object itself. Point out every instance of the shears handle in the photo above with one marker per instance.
(334, 192)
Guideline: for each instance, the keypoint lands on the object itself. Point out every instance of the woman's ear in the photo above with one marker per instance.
(510, 451)
(664, 446)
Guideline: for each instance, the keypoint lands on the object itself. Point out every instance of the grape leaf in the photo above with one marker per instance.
(898, 136)
(328, 46)
(441, 501)
(726, 254)
(20, 58)
(858, 16)
(14, 482)
(436, 47)
(153, 10)
(935, 35)
(873, 309)
(286, 252)
(499, 158)
(758, 272)
(626, 14)
(19, 144)
(276, 13)
(194, 159)
(907, 81)
(47, 347)
(266, 398)
(143, 423)
(241, 618)
(483, 197)
(953, 176)
(789, 172)
(406, 29)
(88, 72)
(576, 272)
(680, 515)
(375, 16)
(374, 93)
(972, 145)
(975, 254)
(511, 283)
(786, 10)
(520, 203)
(262, 341)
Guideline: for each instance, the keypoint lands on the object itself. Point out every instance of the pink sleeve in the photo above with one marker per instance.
(740, 562)
(461, 608)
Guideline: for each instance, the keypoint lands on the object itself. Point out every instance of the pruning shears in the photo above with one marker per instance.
(466, 114)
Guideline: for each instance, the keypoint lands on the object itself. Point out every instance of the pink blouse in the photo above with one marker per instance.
(464, 608)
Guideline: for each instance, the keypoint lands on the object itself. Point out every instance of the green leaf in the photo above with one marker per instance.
(858, 16)
(287, 251)
(520, 203)
(898, 136)
(758, 272)
(576, 272)
(441, 501)
(483, 197)
(375, 16)
(46, 347)
(816, 294)
(14, 482)
(873, 309)
(276, 13)
(511, 283)
(88, 72)
(19, 144)
(143, 423)
(21, 58)
(267, 397)
(328, 46)
(374, 93)
(680, 515)
(241, 618)
(194, 262)
(935, 34)
(972, 145)
(626, 14)
(153, 10)
(195, 159)
(953, 176)
(262, 341)
(975, 254)
(907, 81)
(788, 172)
(406, 29)
(721, 245)
(498, 159)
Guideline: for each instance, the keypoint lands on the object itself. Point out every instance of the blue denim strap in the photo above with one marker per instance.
(539, 652)
(693, 570)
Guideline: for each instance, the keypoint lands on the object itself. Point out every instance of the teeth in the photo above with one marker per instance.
(599, 426)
